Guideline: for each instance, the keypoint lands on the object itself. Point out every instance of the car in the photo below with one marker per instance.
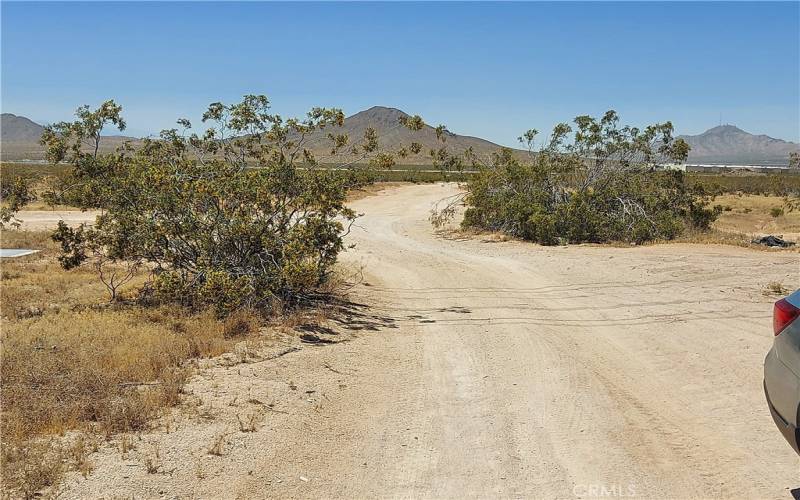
(782, 369)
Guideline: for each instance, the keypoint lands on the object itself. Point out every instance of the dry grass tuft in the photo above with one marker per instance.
(217, 447)
(242, 324)
(715, 237)
(73, 362)
(152, 462)
(30, 467)
(775, 288)
(251, 422)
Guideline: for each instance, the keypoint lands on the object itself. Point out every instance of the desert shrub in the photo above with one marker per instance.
(776, 212)
(241, 323)
(239, 216)
(14, 195)
(638, 206)
(22, 185)
(596, 185)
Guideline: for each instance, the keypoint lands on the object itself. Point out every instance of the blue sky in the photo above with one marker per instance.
(487, 69)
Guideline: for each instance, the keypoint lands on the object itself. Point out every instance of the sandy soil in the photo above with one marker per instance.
(472, 368)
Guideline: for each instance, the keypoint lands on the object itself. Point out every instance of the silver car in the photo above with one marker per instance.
(782, 369)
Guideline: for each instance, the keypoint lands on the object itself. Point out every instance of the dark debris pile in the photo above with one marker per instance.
(773, 241)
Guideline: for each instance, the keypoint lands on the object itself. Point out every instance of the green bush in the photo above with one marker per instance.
(14, 195)
(599, 186)
(240, 216)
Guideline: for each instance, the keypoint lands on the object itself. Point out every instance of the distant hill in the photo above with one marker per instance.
(15, 128)
(725, 144)
(391, 134)
(732, 145)
(19, 139)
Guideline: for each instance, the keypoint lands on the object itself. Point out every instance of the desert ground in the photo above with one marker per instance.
(470, 366)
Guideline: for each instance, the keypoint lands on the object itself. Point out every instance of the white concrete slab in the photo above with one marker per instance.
(7, 253)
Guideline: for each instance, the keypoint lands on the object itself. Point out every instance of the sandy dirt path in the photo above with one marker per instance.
(479, 370)
(38, 220)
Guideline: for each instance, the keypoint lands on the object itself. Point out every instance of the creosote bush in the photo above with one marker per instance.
(239, 216)
(14, 195)
(597, 183)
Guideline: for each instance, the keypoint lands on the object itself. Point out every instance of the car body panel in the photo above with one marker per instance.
(782, 378)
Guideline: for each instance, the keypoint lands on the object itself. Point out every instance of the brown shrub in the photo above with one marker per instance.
(242, 323)
(101, 370)
(31, 466)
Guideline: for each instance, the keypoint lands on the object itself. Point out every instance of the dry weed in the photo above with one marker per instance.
(152, 461)
(217, 447)
(251, 422)
(32, 466)
(199, 469)
(69, 363)
(775, 288)
(126, 444)
(79, 452)
(241, 324)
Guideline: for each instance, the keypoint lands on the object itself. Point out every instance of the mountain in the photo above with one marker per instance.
(391, 135)
(15, 128)
(732, 145)
(725, 144)
(19, 139)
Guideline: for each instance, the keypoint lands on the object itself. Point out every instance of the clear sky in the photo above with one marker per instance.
(487, 69)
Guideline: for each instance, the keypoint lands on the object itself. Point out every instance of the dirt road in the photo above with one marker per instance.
(39, 220)
(500, 369)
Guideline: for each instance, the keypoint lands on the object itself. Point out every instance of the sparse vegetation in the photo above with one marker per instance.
(775, 288)
(777, 184)
(752, 214)
(194, 246)
(201, 235)
(69, 363)
(217, 447)
(250, 422)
